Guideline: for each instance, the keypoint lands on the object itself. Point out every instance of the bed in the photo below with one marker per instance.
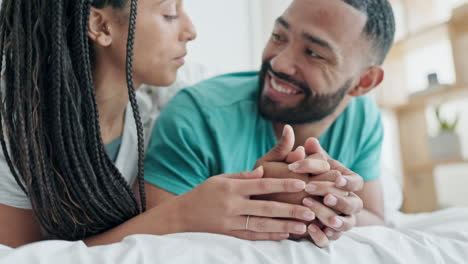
(439, 237)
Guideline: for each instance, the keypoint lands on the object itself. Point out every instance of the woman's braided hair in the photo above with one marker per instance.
(49, 120)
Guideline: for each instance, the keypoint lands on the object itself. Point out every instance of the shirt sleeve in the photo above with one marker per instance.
(180, 153)
(367, 165)
(11, 193)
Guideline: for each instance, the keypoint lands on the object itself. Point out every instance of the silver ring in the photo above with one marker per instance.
(247, 223)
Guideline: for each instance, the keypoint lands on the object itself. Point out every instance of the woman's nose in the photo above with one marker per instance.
(189, 32)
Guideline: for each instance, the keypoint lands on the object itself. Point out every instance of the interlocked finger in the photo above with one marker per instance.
(269, 225)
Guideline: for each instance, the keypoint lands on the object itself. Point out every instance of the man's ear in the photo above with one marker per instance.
(370, 79)
(99, 28)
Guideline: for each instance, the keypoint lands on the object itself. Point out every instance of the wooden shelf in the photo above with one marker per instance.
(415, 40)
(411, 112)
(438, 96)
(436, 163)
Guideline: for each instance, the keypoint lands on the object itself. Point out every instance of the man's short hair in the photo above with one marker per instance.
(380, 25)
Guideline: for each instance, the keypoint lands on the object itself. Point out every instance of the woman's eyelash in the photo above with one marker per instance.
(168, 17)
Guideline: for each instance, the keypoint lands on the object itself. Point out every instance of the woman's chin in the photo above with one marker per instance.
(168, 80)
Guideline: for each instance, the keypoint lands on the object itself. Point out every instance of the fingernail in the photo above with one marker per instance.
(342, 182)
(300, 185)
(284, 130)
(294, 166)
(329, 233)
(338, 223)
(312, 229)
(310, 188)
(286, 235)
(300, 228)
(308, 202)
(309, 216)
(331, 200)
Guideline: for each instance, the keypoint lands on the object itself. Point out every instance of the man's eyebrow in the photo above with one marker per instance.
(283, 22)
(318, 41)
(307, 36)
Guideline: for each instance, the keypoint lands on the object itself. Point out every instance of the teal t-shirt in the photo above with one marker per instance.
(113, 148)
(215, 127)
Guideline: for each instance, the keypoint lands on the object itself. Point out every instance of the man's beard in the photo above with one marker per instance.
(312, 109)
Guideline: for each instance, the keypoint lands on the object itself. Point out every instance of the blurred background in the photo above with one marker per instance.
(424, 97)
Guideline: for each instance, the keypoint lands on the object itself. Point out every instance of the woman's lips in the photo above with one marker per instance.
(181, 59)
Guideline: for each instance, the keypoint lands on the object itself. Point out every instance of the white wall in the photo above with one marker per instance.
(232, 34)
(224, 33)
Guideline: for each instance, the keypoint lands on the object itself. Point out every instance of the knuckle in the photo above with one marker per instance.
(347, 210)
(333, 164)
(289, 227)
(355, 206)
(274, 237)
(326, 166)
(229, 207)
(335, 174)
(361, 204)
(322, 156)
(243, 175)
(360, 184)
(293, 212)
(286, 227)
(267, 209)
(315, 165)
(355, 183)
(344, 206)
(287, 185)
(227, 187)
(265, 186)
(260, 225)
(347, 225)
(337, 235)
(259, 163)
(322, 242)
(359, 207)
(278, 150)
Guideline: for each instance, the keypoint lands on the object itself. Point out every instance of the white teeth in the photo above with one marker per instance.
(280, 88)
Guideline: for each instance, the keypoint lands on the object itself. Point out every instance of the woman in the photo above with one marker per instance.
(69, 74)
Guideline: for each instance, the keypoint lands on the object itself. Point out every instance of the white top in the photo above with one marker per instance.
(12, 195)
(150, 101)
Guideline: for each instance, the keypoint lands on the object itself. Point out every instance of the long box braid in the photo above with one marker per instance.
(49, 120)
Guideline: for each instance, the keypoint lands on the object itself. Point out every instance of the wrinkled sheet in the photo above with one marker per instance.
(439, 237)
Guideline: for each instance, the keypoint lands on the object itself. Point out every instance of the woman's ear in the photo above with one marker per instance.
(99, 28)
(370, 79)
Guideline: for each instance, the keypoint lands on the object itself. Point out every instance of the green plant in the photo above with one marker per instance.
(444, 124)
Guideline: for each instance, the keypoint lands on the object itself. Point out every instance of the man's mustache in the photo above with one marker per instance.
(304, 87)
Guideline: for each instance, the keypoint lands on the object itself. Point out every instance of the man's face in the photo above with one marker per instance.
(314, 57)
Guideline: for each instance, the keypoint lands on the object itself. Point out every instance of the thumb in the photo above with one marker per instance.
(283, 147)
(297, 155)
(312, 146)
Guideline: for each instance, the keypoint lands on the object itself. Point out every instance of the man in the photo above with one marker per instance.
(322, 58)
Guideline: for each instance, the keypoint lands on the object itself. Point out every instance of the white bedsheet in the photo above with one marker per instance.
(440, 237)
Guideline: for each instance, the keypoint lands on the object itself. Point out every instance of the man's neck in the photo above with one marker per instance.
(316, 129)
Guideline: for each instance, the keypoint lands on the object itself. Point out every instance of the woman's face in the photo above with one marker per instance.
(163, 30)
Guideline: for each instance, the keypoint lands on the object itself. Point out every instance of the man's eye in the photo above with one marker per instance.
(312, 54)
(277, 37)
